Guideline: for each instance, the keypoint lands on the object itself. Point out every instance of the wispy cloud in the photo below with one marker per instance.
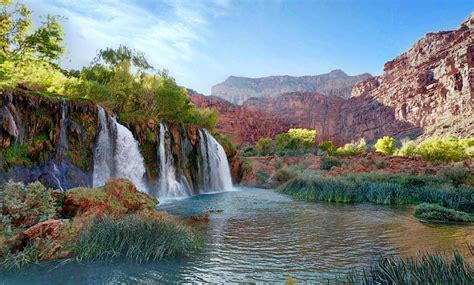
(167, 31)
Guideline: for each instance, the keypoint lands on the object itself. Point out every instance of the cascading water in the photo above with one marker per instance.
(214, 165)
(62, 143)
(122, 161)
(169, 186)
(104, 151)
(129, 162)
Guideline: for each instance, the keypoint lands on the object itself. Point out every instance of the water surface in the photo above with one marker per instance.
(263, 236)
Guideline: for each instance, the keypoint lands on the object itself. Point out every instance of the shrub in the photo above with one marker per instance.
(328, 147)
(446, 150)
(386, 145)
(352, 149)
(24, 206)
(329, 163)
(265, 146)
(408, 149)
(284, 174)
(249, 151)
(296, 140)
(456, 175)
(136, 238)
(262, 177)
(434, 212)
(432, 268)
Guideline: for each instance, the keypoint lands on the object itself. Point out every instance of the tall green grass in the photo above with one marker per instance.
(432, 268)
(136, 238)
(381, 188)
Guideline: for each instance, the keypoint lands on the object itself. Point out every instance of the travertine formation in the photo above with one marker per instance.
(432, 84)
(333, 84)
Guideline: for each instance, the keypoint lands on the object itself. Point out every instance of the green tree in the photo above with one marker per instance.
(386, 145)
(442, 149)
(303, 138)
(265, 146)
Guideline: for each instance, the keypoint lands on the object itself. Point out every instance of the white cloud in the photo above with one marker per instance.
(166, 31)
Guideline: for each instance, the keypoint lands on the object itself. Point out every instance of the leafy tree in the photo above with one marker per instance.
(386, 145)
(16, 40)
(442, 149)
(328, 147)
(300, 140)
(265, 146)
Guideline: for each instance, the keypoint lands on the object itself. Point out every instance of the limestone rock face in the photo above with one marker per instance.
(333, 84)
(432, 84)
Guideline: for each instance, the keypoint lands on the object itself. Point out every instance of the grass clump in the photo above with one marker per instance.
(431, 268)
(29, 255)
(381, 188)
(136, 238)
(434, 212)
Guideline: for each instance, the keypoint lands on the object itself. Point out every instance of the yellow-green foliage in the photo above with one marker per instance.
(265, 146)
(442, 149)
(386, 145)
(352, 149)
(328, 147)
(295, 140)
(408, 149)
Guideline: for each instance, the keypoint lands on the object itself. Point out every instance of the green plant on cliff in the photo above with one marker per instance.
(16, 154)
(386, 145)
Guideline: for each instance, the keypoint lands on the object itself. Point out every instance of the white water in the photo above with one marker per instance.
(215, 167)
(169, 187)
(129, 162)
(126, 162)
(103, 152)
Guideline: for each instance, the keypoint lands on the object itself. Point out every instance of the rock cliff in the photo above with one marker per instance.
(432, 84)
(333, 84)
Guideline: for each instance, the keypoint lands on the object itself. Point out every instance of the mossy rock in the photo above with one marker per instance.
(117, 198)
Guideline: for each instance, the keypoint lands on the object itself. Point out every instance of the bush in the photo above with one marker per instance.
(23, 206)
(284, 174)
(328, 147)
(351, 149)
(329, 163)
(386, 145)
(136, 238)
(262, 177)
(295, 140)
(432, 268)
(447, 150)
(434, 212)
(456, 175)
(265, 146)
(408, 149)
(249, 151)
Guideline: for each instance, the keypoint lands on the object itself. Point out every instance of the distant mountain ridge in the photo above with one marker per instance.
(426, 91)
(238, 89)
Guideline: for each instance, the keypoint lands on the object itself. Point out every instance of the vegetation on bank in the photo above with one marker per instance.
(434, 212)
(389, 189)
(120, 79)
(302, 141)
(112, 221)
(431, 268)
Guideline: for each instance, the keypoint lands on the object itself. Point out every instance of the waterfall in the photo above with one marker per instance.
(103, 151)
(214, 165)
(62, 143)
(169, 186)
(117, 154)
(129, 162)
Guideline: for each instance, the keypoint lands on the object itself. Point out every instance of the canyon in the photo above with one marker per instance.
(428, 89)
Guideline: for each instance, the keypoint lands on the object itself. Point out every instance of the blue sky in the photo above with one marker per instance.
(201, 43)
